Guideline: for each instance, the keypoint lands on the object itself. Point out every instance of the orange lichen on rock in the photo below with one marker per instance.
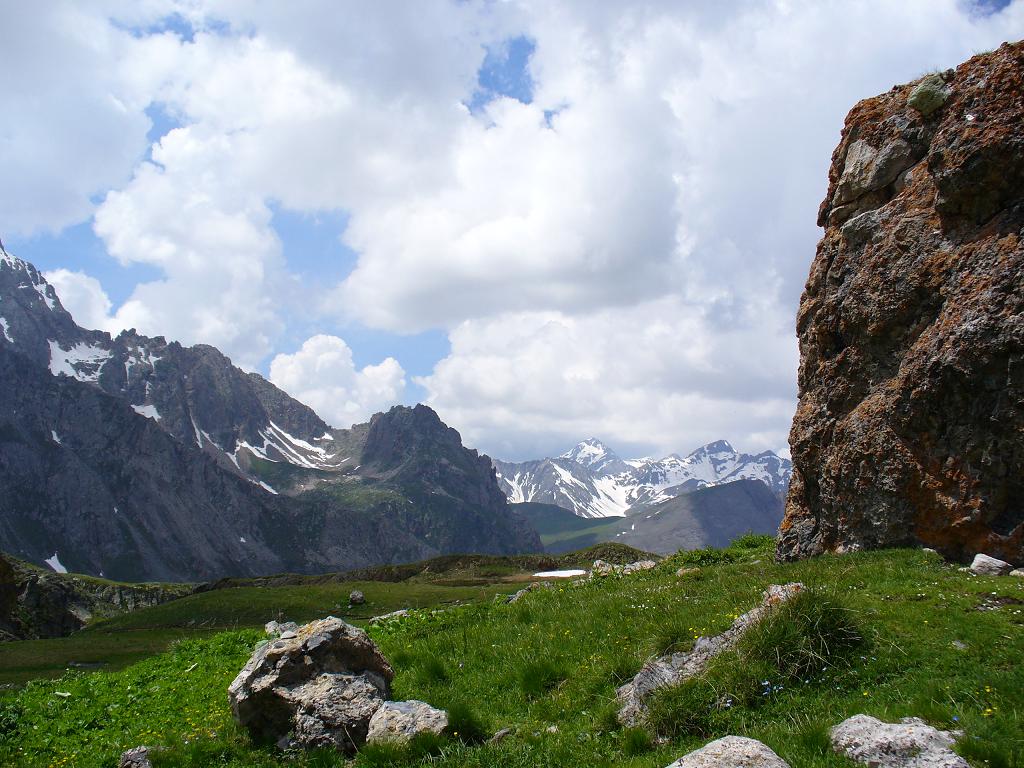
(910, 425)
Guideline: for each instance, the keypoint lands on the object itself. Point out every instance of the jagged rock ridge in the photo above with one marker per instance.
(911, 413)
(138, 459)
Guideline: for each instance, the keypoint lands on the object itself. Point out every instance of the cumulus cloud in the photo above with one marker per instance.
(83, 297)
(623, 255)
(654, 378)
(74, 88)
(322, 375)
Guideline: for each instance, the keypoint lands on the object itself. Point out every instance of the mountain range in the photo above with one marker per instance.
(137, 459)
(591, 481)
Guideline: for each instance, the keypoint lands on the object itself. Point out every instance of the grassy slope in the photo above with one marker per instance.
(561, 530)
(240, 603)
(555, 657)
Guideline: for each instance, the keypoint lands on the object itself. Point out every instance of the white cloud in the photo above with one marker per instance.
(74, 89)
(83, 297)
(322, 375)
(655, 377)
(658, 194)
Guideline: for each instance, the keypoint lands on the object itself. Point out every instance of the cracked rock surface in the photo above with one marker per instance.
(911, 326)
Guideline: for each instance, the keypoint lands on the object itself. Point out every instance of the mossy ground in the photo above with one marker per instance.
(937, 643)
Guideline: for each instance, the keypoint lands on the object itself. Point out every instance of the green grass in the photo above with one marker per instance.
(116, 642)
(876, 636)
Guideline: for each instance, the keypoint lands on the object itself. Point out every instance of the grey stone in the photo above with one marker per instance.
(602, 568)
(322, 686)
(868, 169)
(501, 735)
(675, 668)
(639, 565)
(1018, 572)
(356, 597)
(928, 95)
(400, 613)
(401, 720)
(983, 565)
(862, 227)
(731, 752)
(276, 629)
(135, 758)
(910, 743)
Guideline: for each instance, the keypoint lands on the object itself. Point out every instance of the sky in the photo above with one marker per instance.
(546, 220)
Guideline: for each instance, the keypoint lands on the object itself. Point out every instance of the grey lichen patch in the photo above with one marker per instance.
(930, 94)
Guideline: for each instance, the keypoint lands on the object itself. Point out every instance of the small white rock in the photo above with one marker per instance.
(983, 565)
(731, 752)
(910, 743)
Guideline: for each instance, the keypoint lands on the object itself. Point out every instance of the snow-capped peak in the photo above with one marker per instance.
(591, 451)
(593, 481)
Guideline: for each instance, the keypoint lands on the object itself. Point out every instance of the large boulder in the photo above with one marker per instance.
(910, 743)
(675, 668)
(731, 752)
(317, 686)
(911, 326)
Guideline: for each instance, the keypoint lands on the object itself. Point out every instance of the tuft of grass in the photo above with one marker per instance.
(674, 637)
(636, 741)
(465, 724)
(694, 708)
(538, 677)
(754, 541)
(794, 643)
(803, 636)
(431, 669)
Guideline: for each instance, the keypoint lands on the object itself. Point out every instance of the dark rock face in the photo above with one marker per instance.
(456, 504)
(138, 459)
(910, 425)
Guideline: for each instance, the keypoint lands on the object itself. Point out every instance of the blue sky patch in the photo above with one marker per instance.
(505, 72)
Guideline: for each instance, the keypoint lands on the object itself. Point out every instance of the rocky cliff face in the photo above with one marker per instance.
(139, 459)
(35, 603)
(910, 425)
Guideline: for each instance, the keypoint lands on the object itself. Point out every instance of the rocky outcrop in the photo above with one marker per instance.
(731, 752)
(911, 326)
(318, 686)
(38, 604)
(910, 743)
(675, 668)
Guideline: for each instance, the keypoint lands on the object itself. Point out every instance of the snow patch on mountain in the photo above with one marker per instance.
(83, 361)
(6, 329)
(149, 411)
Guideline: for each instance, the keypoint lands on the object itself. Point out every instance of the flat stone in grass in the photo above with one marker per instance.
(910, 743)
(983, 565)
(731, 752)
(399, 721)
